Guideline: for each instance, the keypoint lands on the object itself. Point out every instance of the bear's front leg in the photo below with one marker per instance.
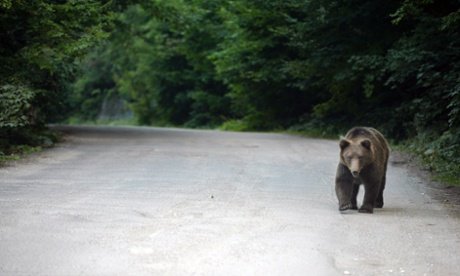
(371, 192)
(344, 187)
(354, 203)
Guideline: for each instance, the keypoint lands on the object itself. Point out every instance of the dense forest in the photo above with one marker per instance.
(314, 66)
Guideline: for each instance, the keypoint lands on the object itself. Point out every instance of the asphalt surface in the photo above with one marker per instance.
(151, 201)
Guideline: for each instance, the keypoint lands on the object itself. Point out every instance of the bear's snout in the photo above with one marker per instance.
(355, 173)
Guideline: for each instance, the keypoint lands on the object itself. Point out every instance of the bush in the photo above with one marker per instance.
(16, 108)
(440, 153)
(235, 125)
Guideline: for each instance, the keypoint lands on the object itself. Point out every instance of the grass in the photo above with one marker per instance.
(17, 152)
(234, 125)
(105, 122)
(17, 143)
(442, 169)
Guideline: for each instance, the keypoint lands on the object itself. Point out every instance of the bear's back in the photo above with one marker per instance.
(361, 132)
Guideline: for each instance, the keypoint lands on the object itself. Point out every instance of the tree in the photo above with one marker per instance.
(160, 50)
(40, 42)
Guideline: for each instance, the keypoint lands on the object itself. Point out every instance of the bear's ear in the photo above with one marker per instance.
(344, 143)
(366, 143)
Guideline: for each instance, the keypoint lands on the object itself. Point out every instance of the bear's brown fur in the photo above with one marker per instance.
(363, 160)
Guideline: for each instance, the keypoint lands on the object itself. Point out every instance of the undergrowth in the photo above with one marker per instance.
(439, 153)
(18, 142)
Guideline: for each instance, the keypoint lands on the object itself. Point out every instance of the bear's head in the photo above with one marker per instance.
(356, 155)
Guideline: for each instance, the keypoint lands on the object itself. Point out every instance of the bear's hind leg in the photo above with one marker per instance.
(379, 201)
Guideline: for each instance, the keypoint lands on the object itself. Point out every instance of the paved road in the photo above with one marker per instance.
(149, 201)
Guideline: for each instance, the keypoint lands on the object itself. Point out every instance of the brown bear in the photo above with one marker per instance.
(363, 160)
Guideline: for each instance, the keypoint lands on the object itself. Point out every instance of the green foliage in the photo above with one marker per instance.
(235, 125)
(94, 86)
(440, 153)
(26, 140)
(42, 39)
(16, 106)
(5, 4)
(164, 71)
(40, 44)
(259, 66)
